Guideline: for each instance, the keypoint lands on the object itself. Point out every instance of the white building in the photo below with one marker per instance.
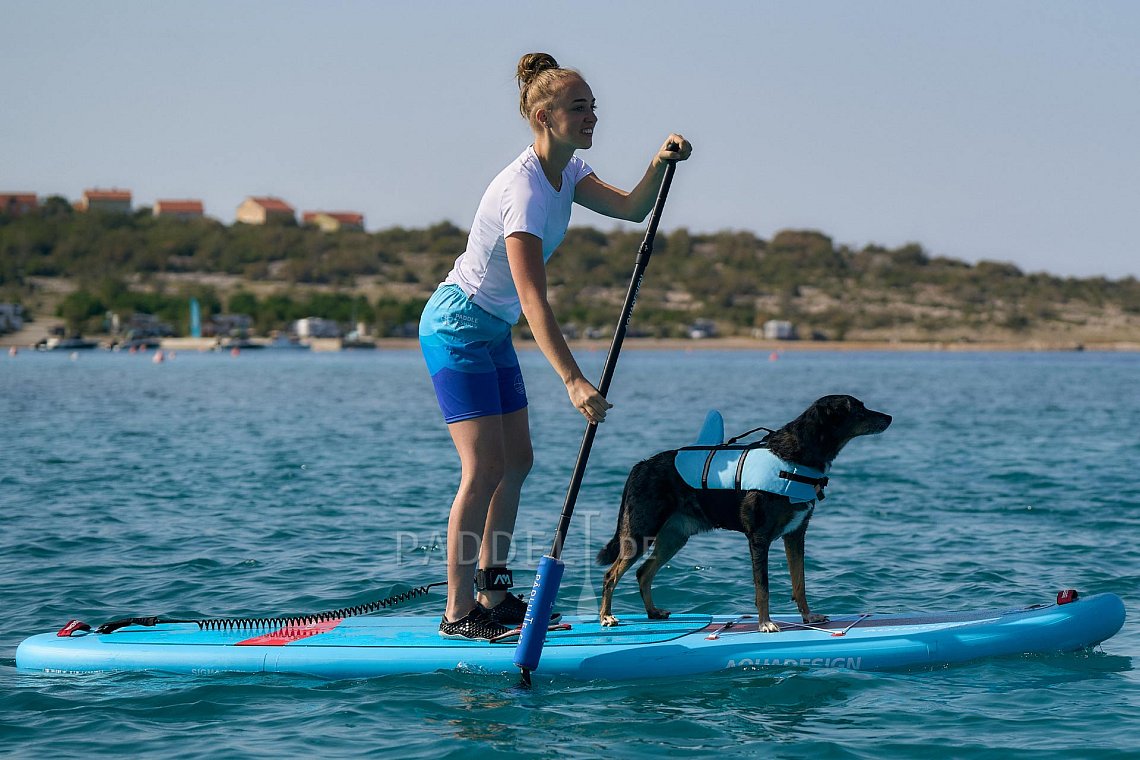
(263, 209)
(778, 329)
(112, 201)
(316, 327)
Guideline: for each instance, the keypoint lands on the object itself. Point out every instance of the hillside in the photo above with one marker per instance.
(58, 262)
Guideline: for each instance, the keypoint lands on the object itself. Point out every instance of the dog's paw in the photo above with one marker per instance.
(814, 618)
(609, 620)
(657, 614)
(769, 626)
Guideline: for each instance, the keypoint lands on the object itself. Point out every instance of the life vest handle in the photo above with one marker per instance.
(769, 431)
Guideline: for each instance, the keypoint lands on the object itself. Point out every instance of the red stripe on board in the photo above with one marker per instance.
(288, 635)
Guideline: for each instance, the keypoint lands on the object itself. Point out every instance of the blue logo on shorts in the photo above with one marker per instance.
(519, 387)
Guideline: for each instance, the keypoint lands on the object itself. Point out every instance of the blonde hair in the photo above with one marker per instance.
(540, 78)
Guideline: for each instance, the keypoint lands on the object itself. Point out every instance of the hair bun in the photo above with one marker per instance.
(533, 64)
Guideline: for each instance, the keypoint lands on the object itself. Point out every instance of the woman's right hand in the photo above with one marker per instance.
(587, 400)
(681, 152)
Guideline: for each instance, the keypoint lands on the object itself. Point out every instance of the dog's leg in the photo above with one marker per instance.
(669, 541)
(759, 548)
(794, 549)
(630, 550)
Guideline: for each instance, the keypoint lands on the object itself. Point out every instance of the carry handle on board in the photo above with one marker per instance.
(550, 568)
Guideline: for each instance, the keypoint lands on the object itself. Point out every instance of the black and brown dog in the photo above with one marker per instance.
(658, 507)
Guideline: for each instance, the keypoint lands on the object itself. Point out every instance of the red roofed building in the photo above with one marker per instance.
(184, 209)
(113, 201)
(18, 204)
(259, 210)
(334, 221)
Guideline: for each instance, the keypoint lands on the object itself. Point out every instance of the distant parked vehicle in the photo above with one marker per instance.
(287, 343)
(74, 343)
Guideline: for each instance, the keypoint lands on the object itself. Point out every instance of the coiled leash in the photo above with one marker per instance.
(486, 579)
(246, 624)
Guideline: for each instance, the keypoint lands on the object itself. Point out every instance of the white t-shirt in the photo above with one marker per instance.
(519, 199)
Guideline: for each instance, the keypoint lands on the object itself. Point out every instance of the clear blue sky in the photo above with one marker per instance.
(983, 130)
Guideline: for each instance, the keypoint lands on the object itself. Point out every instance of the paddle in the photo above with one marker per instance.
(550, 568)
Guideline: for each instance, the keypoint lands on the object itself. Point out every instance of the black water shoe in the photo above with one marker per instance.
(476, 626)
(512, 610)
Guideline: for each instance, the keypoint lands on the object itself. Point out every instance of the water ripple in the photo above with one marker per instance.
(210, 486)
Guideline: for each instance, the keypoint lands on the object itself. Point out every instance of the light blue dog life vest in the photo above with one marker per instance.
(712, 464)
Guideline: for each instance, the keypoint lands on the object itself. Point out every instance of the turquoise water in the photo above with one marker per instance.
(219, 486)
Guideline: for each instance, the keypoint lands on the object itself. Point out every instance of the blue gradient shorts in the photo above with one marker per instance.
(470, 357)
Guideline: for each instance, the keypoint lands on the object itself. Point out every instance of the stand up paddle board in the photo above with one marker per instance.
(362, 647)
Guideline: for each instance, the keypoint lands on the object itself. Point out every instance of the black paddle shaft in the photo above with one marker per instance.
(643, 255)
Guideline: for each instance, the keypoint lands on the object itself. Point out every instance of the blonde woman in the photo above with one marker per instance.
(465, 332)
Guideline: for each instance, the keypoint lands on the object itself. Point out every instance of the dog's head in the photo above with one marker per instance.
(824, 429)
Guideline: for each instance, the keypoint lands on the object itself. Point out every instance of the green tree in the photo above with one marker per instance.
(242, 302)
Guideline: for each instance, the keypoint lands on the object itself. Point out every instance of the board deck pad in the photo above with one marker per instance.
(636, 648)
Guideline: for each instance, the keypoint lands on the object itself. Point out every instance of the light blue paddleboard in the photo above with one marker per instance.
(362, 647)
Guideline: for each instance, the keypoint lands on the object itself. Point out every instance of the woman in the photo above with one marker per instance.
(465, 332)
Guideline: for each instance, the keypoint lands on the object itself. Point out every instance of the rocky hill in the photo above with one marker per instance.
(59, 263)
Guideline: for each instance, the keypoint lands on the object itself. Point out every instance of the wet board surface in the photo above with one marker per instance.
(359, 647)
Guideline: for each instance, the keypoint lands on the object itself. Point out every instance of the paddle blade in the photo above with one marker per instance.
(538, 609)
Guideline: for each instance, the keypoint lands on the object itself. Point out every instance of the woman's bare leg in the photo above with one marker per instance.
(480, 445)
(517, 459)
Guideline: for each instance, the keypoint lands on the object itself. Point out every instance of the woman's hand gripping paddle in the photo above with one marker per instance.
(550, 568)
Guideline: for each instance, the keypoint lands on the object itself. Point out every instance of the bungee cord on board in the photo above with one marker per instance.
(286, 621)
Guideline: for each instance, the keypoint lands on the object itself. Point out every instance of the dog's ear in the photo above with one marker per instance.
(834, 408)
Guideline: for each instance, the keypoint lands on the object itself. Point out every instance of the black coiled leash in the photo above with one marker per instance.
(289, 621)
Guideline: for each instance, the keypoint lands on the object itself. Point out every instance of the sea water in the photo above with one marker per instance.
(214, 485)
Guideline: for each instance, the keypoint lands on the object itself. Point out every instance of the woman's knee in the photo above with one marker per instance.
(483, 475)
(519, 463)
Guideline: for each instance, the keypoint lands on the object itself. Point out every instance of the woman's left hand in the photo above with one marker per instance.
(588, 400)
(682, 153)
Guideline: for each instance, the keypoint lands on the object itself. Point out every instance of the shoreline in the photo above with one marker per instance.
(21, 342)
(778, 346)
(793, 346)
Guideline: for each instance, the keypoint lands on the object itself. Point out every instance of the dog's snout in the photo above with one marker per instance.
(875, 422)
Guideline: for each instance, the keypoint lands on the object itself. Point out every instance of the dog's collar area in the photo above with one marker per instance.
(817, 483)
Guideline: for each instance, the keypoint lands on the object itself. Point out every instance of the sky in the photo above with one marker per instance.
(996, 130)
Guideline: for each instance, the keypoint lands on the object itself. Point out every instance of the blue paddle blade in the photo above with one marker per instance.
(538, 609)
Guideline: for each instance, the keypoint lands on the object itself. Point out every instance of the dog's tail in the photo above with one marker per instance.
(609, 553)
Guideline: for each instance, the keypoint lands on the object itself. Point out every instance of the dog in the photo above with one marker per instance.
(658, 507)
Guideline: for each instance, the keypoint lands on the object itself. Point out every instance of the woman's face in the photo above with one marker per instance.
(571, 118)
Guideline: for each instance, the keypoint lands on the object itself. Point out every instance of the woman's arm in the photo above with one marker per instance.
(524, 253)
(633, 206)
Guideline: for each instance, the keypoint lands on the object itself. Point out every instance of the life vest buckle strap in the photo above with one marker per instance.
(818, 483)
